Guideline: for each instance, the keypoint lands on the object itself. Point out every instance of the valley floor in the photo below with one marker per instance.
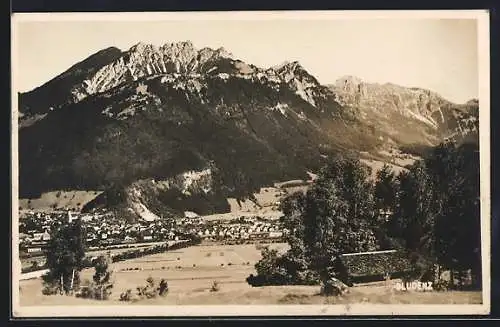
(190, 273)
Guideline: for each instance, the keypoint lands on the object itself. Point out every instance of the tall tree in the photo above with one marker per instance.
(339, 214)
(385, 193)
(438, 208)
(102, 278)
(295, 259)
(455, 171)
(415, 212)
(385, 189)
(64, 255)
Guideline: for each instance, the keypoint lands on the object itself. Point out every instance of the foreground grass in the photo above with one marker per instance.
(240, 294)
(190, 273)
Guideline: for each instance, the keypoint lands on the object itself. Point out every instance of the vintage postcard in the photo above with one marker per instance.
(279, 163)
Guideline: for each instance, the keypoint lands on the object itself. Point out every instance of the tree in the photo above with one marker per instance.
(102, 278)
(339, 215)
(270, 270)
(385, 189)
(385, 193)
(295, 259)
(455, 171)
(415, 212)
(437, 210)
(64, 255)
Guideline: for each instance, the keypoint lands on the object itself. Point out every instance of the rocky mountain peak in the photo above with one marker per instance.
(222, 52)
(348, 83)
(139, 47)
(147, 60)
(289, 69)
(472, 102)
(111, 67)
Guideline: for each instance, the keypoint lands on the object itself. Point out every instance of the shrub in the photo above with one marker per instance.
(163, 288)
(50, 290)
(94, 291)
(215, 286)
(126, 296)
(333, 287)
(51, 285)
(441, 285)
(86, 292)
(100, 288)
(149, 291)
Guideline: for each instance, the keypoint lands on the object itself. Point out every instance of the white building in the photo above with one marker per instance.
(190, 214)
(275, 234)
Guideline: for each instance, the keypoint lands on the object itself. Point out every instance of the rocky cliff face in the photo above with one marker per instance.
(146, 60)
(150, 199)
(393, 108)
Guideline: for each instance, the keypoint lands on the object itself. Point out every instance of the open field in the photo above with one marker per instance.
(376, 166)
(267, 198)
(63, 200)
(191, 271)
(114, 249)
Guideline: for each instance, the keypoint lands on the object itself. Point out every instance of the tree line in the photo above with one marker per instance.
(430, 212)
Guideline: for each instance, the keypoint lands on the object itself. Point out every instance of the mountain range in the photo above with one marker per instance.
(171, 128)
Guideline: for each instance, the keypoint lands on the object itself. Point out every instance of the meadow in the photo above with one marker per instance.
(191, 271)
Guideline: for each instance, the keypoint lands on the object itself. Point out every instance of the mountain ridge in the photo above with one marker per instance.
(383, 102)
(143, 60)
(138, 120)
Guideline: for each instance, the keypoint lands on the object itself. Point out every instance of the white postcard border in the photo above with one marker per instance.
(104, 310)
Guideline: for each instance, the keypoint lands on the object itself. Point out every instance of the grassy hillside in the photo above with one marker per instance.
(59, 200)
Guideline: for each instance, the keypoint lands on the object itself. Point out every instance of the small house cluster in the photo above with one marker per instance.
(244, 228)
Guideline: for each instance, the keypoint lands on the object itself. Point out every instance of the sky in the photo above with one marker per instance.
(436, 54)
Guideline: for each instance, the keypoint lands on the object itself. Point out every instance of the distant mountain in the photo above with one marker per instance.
(407, 115)
(138, 124)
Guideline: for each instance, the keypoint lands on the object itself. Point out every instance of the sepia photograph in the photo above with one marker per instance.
(273, 163)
